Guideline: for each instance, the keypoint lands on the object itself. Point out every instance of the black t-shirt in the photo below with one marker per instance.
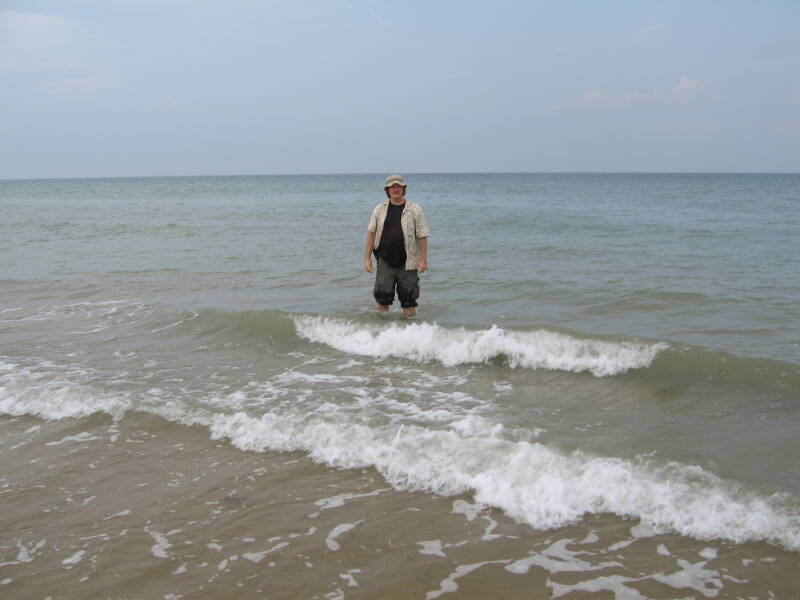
(392, 248)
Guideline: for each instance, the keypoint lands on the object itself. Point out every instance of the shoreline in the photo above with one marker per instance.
(144, 508)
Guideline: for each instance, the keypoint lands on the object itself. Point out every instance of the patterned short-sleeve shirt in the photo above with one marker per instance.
(414, 227)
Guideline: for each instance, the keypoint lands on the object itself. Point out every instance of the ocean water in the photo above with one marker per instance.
(599, 397)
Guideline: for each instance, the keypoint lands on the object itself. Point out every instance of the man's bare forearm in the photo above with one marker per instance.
(370, 243)
(422, 264)
(423, 248)
(368, 251)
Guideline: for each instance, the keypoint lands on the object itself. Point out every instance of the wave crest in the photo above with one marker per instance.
(426, 342)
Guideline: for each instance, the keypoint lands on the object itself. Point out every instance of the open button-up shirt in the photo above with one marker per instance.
(413, 224)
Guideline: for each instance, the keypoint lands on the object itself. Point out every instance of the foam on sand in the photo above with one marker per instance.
(530, 482)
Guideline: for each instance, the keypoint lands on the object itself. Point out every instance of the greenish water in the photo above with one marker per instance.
(624, 345)
(711, 260)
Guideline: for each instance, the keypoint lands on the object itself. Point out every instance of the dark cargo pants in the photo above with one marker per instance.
(387, 279)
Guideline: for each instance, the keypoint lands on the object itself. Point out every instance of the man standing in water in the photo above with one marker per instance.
(398, 235)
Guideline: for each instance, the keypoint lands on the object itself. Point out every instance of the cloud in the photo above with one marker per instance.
(796, 98)
(33, 42)
(686, 90)
(687, 86)
(56, 50)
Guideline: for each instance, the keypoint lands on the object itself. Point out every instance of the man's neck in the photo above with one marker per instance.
(397, 201)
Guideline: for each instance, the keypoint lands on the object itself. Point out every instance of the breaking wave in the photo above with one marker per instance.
(529, 481)
(425, 342)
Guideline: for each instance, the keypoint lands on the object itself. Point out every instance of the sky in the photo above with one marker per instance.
(103, 88)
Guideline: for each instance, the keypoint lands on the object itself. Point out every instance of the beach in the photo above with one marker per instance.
(599, 396)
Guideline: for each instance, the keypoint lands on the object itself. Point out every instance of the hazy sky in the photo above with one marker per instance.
(173, 87)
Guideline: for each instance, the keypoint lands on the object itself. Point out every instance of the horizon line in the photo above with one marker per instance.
(329, 174)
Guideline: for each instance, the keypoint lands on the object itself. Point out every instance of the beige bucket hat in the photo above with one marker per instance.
(393, 179)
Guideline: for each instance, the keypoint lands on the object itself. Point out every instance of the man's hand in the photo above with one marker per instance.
(422, 265)
(368, 264)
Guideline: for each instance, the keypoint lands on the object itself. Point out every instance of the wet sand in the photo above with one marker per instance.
(144, 508)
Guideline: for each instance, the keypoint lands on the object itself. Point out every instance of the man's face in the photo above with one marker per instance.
(396, 191)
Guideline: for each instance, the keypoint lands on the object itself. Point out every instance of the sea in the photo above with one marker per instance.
(599, 396)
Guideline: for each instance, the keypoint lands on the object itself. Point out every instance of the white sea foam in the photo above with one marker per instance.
(27, 553)
(311, 531)
(51, 396)
(557, 559)
(488, 535)
(424, 342)
(159, 549)
(470, 511)
(299, 376)
(74, 559)
(81, 437)
(432, 547)
(529, 481)
(337, 501)
(123, 513)
(348, 577)
(331, 542)
(612, 583)
(101, 315)
(257, 557)
(449, 585)
(695, 576)
(709, 553)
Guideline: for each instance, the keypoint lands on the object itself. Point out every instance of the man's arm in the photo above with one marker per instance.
(368, 251)
(421, 228)
(423, 254)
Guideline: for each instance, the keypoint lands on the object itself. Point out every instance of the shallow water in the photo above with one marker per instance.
(599, 397)
(146, 509)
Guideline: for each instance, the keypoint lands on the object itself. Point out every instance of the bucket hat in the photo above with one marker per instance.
(394, 179)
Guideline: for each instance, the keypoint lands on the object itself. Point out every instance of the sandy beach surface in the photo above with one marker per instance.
(143, 508)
